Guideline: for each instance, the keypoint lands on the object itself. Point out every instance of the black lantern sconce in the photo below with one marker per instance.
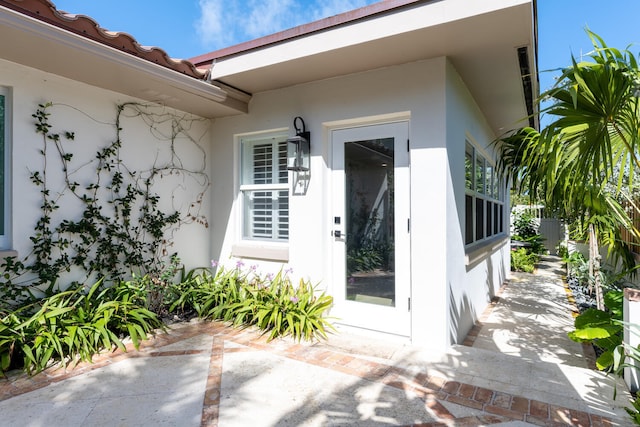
(298, 147)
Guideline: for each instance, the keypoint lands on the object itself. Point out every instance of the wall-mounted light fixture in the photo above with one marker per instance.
(298, 147)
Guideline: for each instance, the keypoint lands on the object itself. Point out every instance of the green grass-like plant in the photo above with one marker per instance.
(73, 325)
(271, 302)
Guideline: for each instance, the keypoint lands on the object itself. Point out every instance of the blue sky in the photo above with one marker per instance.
(188, 28)
(561, 25)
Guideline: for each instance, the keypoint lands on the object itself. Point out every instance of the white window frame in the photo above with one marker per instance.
(5, 156)
(490, 191)
(246, 237)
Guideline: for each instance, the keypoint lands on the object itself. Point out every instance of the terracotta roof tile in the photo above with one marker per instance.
(45, 11)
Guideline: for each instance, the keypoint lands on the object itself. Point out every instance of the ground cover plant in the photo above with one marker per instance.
(601, 327)
(525, 233)
(73, 325)
(272, 302)
(523, 260)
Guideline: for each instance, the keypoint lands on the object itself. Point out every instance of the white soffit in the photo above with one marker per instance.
(479, 37)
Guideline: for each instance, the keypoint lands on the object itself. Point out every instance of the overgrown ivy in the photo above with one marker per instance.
(119, 228)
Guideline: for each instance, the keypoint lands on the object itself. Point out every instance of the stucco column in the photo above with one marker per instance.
(631, 315)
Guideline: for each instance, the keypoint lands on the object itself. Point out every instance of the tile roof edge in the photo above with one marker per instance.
(84, 26)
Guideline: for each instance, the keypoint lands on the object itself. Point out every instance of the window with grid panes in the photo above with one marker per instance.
(264, 189)
(484, 198)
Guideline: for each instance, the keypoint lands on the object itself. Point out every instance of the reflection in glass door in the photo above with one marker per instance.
(371, 278)
(369, 167)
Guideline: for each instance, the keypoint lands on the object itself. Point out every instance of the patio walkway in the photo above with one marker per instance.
(517, 369)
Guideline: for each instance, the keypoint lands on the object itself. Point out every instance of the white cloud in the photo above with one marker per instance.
(223, 23)
(326, 8)
(270, 16)
(211, 26)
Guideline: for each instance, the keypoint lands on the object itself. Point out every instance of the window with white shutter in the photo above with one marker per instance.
(265, 189)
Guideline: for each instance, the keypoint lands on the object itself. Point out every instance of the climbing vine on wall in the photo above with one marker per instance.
(121, 224)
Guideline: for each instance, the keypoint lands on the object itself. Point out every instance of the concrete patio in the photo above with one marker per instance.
(517, 368)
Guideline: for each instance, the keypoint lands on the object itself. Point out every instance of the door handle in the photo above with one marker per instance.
(339, 235)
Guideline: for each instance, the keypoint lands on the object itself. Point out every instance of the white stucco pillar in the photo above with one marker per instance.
(631, 310)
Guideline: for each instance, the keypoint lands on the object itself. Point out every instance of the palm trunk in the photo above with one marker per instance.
(594, 267)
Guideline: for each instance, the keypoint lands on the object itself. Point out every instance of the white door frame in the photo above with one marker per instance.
(396, 319)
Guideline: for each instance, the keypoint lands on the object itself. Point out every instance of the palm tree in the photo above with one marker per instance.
(584, 162)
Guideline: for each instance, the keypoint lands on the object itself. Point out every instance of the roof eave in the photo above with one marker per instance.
(481, 41)
(58, 51)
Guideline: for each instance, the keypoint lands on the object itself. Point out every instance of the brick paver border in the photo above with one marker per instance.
(496, 407)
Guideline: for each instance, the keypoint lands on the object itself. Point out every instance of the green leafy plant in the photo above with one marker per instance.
(524, 225)
(523, 260)
(578, 268)
(602, 328)
(634, 411)
(534, 244)
(287, 310)
(563, 252)
(625, 356)
(367, 257)
(74, 325)
(272, 302)
(576, 259)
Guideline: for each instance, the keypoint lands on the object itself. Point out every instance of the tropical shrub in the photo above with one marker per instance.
(523, 260)
(366, 258)
(563, 252)
(534, 244)
(627, 356)
(73, 325)
(525, 230)
(634, 412)
(524, 225)
(272, 302)
(602, 328)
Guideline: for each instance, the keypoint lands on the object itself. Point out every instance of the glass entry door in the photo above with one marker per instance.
(370, 227)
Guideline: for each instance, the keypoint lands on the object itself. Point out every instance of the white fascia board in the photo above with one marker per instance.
(403, 21)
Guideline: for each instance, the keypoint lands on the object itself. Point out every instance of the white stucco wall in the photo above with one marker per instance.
(424, 92)
(91, 112)
(392, 90)
(470, 284)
